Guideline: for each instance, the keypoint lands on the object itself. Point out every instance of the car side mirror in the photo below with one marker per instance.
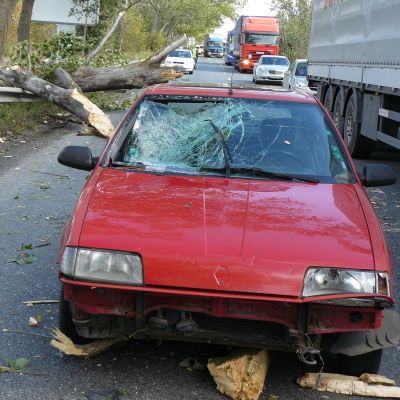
(378, 175)
(79, 157)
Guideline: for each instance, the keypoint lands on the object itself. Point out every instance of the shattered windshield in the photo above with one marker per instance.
(239, 137)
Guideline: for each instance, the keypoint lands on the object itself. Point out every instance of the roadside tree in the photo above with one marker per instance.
(295, 20)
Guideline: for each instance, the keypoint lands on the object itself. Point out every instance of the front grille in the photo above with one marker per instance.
(238, 325)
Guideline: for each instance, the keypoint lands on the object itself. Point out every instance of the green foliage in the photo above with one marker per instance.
(191, 17)
(62, 50)
(15, 365)
(295, 19)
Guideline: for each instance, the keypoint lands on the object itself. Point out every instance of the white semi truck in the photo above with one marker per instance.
(354, 62)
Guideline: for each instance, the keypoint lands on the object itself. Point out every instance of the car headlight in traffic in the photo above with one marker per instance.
(324, 281)
(246, 62)
(102, 266)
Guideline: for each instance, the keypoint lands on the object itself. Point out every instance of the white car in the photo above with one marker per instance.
(296, 76)
(182, 58)
(270, 69)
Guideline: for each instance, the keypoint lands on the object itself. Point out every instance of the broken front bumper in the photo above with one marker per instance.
(233, 319)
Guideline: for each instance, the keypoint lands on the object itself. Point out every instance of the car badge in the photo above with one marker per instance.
(221, 275)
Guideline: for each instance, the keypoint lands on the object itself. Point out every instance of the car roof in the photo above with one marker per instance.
(222, 90)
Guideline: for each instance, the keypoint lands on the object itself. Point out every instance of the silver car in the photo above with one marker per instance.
(296, 76)
(270, 69)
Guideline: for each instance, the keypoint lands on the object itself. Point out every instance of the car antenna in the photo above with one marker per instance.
(231, 86)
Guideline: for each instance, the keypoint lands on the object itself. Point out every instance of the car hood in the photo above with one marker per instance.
(239, 235)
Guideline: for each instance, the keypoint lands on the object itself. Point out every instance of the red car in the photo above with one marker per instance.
(231, 216)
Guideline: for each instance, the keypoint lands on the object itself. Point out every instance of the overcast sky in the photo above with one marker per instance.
(254, 7)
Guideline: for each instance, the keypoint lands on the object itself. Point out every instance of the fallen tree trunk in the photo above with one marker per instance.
(130, 76)
(86, 79)
(70, 99)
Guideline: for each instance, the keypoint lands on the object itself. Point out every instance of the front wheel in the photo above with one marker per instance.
(358, 365)
(65, 322)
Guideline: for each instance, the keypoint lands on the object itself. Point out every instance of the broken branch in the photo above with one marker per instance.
(70, 99)
(67, 346)
(367, 385)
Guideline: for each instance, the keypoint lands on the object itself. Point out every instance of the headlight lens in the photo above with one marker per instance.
(102, 266)
(245, 62)
(323, 281)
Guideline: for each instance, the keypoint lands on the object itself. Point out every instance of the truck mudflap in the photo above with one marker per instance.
(356, 343)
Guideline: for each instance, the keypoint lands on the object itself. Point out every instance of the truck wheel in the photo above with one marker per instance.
(359, 146)
(65, 323)
(358, 365)
(336, 114)
(328, 100)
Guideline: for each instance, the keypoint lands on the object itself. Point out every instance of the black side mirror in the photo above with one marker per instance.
(378, 175)
(79, 157)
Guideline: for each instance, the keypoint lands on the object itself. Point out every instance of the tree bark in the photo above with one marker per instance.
(24, 24)
(69, 99)
(64, 79)
(131, 76)
(6, 9)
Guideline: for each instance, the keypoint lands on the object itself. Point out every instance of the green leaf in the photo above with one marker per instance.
(20, 363)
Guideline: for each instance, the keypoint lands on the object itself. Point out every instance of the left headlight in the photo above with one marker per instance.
(325, 281)
(102, 266)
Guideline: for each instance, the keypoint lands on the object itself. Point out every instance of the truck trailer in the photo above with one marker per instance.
(254, 37)
(354, 62)
(214, 46)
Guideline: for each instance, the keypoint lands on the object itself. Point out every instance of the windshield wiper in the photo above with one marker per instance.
(262, 173)
(225, 149)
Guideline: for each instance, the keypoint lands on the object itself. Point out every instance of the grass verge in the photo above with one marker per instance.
(19, 117)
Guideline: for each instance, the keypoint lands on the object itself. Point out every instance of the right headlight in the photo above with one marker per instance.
(325, 281)
(102, 266)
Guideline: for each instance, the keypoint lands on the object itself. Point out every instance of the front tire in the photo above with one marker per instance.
(65, 323)
(358, 365)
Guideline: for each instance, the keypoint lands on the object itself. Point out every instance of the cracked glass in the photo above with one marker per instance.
(200, 136)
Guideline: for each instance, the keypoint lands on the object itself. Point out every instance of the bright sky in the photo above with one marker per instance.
(253, 7)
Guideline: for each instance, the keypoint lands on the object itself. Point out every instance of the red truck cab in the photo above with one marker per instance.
(255, 36)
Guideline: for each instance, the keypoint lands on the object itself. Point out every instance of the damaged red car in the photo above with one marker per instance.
(231, 216)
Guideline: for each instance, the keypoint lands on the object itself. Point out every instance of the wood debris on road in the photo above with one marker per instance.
(67, 346)
(366, 385)
(240, 376)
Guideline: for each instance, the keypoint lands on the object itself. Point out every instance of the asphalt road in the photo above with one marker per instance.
(36, 198)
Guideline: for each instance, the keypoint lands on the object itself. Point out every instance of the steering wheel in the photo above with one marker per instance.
(270, 155)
